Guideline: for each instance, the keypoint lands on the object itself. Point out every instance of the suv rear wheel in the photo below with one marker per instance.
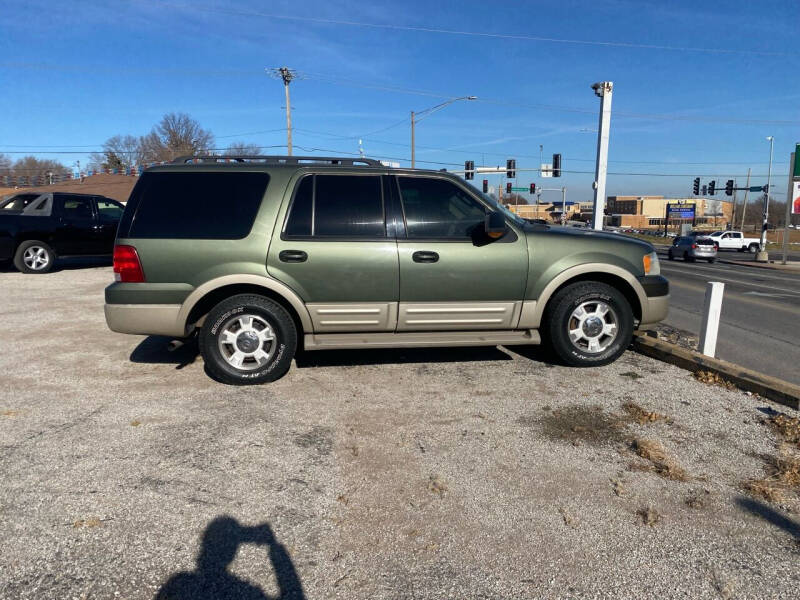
(248, 339)
(34, 256)
(589, 324)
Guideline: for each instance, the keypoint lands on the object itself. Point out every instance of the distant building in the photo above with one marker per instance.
(649, 212)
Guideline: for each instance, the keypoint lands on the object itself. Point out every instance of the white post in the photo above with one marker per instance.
(604, 90)
(712, 310)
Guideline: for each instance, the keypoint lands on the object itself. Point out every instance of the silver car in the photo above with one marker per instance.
(693, 248)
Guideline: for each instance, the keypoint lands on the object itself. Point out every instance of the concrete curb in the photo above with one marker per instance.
(775, 389)
(774, 267)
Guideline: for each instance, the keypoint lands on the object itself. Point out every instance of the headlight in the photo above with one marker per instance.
(650, 264)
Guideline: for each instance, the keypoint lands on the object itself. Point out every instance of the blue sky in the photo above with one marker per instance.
(77, 73)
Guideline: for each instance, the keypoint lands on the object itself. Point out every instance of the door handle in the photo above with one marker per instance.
(293, 256)
(424, 256)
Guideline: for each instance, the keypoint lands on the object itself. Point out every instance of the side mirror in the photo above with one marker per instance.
(495, 225)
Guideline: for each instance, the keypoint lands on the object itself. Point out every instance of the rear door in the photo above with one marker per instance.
(335, 250)
(447, 281)
(75, 222)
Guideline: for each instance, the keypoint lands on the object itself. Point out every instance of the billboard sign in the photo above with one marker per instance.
(796, 197)
(680, 211)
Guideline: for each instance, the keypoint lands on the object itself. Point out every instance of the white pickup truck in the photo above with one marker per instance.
(735, 240)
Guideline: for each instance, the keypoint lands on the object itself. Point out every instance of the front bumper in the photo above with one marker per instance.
(145, 319)
(656, 304)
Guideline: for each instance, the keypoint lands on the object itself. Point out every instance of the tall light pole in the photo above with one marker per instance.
(763, 255)
(604, 90)
(416, 117)
(286, 75)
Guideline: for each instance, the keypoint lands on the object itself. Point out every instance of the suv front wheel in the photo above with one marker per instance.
(589, 324)
(248, 339)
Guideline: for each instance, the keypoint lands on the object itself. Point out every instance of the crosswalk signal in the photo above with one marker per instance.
(511, 168)
(508, 188)
(696, 186)
(705, 190)
(485, 186)
(533, 188)
(729, 187)
(556, 165)
(469, 169)
(712, 188)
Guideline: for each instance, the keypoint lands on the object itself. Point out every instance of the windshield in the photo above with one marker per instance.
(495, 205)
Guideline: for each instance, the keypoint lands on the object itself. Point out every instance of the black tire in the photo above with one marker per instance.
(753, 248)
(43, 251)
(226, 314)
(559, 314)
(670, 256)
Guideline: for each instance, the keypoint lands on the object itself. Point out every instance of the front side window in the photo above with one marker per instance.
(109, 210)
(437, 208)
(337, 206)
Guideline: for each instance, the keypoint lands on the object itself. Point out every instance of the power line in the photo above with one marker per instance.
(482, 34)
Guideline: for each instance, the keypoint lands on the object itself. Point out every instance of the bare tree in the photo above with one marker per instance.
(242, 149)
(30, 166)
(5, 165)
(175, 135)
(119, 151)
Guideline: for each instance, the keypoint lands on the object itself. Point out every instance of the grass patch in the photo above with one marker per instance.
(786, 427)
(659, 461)
(642, 416)
(783, 476)
(632, 375)
(711, 378)
(648, 515)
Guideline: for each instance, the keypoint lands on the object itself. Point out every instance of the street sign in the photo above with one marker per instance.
(546, 170)
(796, 197)
(520, 189)
(797, 161)
(757, 188)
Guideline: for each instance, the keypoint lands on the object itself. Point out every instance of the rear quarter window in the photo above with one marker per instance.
(195, 205)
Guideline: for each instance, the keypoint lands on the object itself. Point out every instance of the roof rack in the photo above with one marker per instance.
(281, 160)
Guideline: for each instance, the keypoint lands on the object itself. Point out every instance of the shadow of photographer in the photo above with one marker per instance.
(211, 578)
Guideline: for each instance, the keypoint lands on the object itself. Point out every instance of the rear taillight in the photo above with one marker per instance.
(127, 266)
(694, 246)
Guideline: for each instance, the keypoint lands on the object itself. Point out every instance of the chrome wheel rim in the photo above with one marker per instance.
(246, 342)
(593, 326)
(36, 258)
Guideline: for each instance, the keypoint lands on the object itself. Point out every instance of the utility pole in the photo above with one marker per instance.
(563, 205)
(744, 206)
(604, 90)
(763, 255)
(286, 75)
(412, 139)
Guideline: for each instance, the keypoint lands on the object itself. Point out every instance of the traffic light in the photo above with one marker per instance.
(556, 165)
(485, 186)
(696, 186)
(533, 188)
(511, 168)
(469, 169)
(729, 187)
(705, 190)
(508, 188)
(712, 187)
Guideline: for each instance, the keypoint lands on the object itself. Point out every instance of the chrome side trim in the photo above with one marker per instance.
(457, 315)
(342, 341)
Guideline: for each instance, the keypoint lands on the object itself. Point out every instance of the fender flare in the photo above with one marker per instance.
(533, 318)
(268, 283)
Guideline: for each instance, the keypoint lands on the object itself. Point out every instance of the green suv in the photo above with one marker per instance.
(262, 255)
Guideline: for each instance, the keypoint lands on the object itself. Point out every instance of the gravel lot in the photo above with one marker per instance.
(472, 473)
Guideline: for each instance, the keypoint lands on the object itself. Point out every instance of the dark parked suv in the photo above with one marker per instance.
(263, 254)
(37, 228)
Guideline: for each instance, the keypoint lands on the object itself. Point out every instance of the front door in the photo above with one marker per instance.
(447, 280)
(334, 250)
(109, 212)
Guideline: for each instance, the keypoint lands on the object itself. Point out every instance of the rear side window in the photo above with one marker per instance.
(337, 206)
(76, 207)
(214, 206)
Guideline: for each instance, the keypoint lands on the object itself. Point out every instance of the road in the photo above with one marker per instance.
(760, 324)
